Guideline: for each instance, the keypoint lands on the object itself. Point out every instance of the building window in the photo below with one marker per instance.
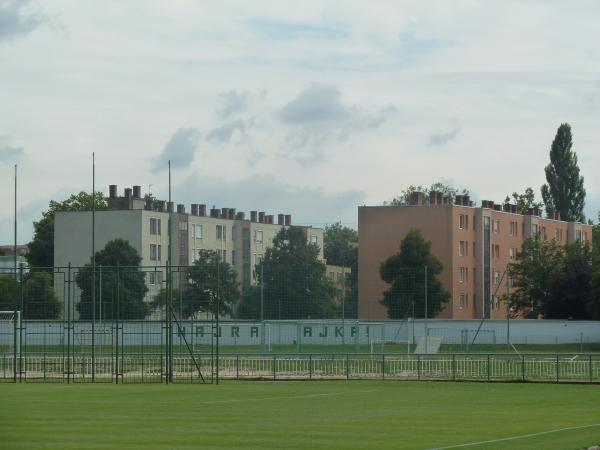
(584, 237)
(314, 239)
(183, 226)
(511, 253)
(496, 302)
(534, 230)
(497, 251)
(221, 232)
(461, 221)
(462, 277)
(461, 301)
(513, 229)
(224, 255)
(578, 235)
(233, 256)
(496, 277)
(543, 233)
(151, 277)
(496, 226)
(197, 231)
(461, 248)
(332, 275)
(154, 226)
(155, 252)
(258, 236)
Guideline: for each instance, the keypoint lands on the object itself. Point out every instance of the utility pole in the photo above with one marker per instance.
(93, 267)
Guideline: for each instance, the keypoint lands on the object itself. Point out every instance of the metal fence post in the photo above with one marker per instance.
(348, 366)
(310, 367)
(274, 367)
(488, 367)
(557, 368)
(237, 367)
(418, 366)
(523, 366)
(591, 369)
(383, 366)
(453, 366)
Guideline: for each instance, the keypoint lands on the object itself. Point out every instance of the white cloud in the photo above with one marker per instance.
(180, 150)
(125, 76)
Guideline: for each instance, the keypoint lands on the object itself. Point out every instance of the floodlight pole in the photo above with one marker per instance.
(262, 306)
(93, 267)
(15, 230)
(426, 329)
(507, 310)
(15, 326)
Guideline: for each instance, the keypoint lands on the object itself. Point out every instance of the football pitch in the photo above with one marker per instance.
(300, 415)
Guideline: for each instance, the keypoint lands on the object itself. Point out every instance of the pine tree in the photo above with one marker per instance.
(564, 191)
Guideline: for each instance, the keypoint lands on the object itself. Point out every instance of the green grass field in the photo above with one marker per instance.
(298, 415)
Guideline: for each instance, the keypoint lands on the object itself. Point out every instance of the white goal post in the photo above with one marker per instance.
(10, 324)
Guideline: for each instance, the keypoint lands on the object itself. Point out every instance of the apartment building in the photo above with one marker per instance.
(241, 242)
(474, 244)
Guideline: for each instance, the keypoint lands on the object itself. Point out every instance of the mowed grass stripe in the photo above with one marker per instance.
(361, 415)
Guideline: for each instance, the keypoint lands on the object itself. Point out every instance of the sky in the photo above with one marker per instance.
(309, 108)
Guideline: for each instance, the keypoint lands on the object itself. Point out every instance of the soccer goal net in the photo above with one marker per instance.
(10, 324)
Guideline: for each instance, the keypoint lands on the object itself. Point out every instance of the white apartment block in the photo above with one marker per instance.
(145, 224)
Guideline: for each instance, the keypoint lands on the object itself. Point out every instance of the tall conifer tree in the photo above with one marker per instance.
(564, 190)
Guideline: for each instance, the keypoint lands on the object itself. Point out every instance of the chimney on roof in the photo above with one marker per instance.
(261, 216)
(112, 191)
(231, 213)
(224, 213)
(194, 209)
(240, 216)
(536, 211)
(271, 219)
(149, 205)
(288, 220)
(506, 207)
(180, 209)
(416, 198)
(280, 219)
(466, 200)
(497, 207)
(439, 196)
(137, 192)
(513, 209)
(445, 200)
(128, 192)
(253, 216)
(458, 199)
(202, 210)
(556, 215)
(170, 207)
(433, 198)
(214, 213)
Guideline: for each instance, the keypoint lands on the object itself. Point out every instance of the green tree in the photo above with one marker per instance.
(571, 290)
(536, 265)
(201, 284)
(41, 248)
(39, 301)
(405, 273)
(595, 282)
(448, 191)
(340, 249)
(123, 284)
(339, 245)
(564, 190)
(294, 285)
(524, 201)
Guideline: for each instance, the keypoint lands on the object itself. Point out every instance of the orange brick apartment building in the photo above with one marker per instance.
(468, 240)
